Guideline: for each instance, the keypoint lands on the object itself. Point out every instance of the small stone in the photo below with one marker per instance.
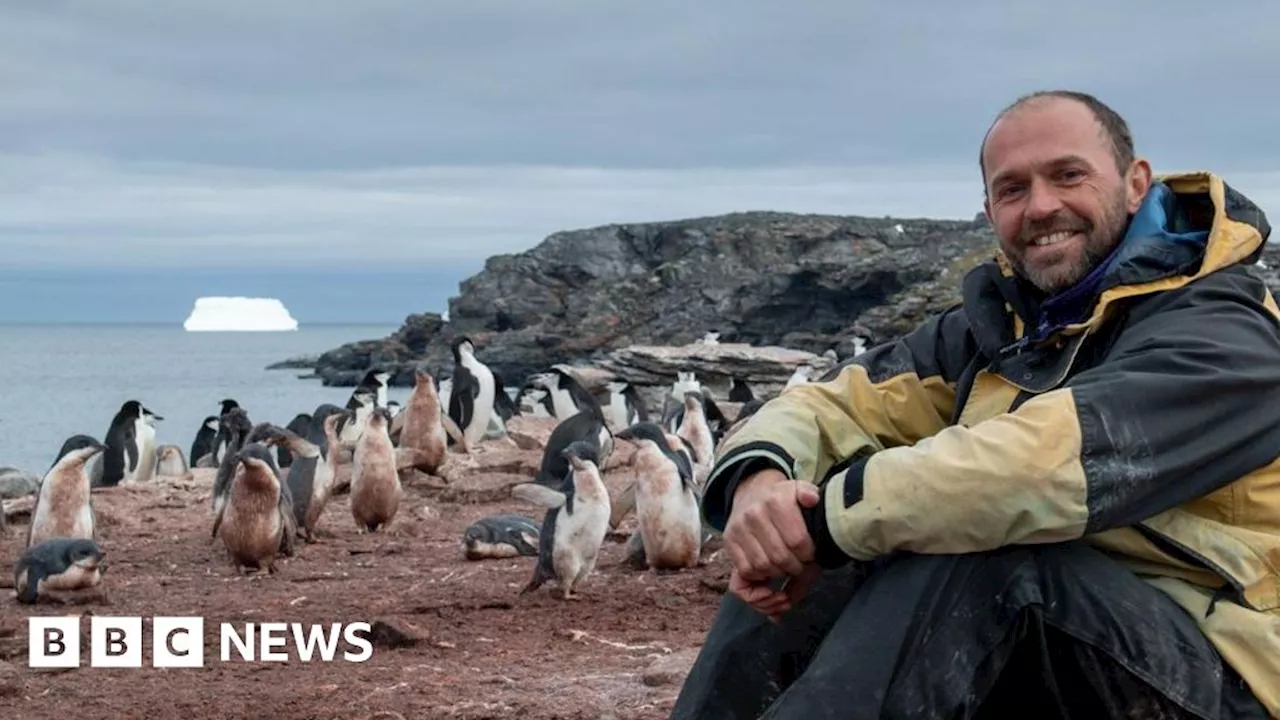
(669, 670)
(392, 633)
(10, 680)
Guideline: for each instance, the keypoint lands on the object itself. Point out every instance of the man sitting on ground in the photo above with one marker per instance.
(1059, 499)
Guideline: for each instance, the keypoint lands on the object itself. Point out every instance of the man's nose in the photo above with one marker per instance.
(1043, 201)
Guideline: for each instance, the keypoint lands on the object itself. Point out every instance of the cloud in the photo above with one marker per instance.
(398, 131)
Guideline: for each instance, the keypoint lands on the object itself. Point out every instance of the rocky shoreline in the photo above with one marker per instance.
(790, 282)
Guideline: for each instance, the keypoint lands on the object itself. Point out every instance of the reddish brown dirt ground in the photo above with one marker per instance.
(481, 650)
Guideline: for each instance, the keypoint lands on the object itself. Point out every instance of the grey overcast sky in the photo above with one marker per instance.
(414, 133)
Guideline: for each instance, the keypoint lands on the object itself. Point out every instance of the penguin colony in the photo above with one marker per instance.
(273, 483)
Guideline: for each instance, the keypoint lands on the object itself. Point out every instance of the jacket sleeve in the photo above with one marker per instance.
(893, 394)
(1186, 401)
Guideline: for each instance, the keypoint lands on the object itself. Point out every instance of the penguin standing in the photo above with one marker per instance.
(567, 396)
(237, 428)
(375, 483)
(471, 401)
(222, 442)
(146, 430)
(122, 460)
(575, 524)
(310, 477)
(257, 521)
(299, 425)
(803, 374)
(374, 383)
(64, 503)
(422, 431)
(205, 442)
(666, 501)
(697, 432)
(625, 407)
(359, 406)
(587, 426)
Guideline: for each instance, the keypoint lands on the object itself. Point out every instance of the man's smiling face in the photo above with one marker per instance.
(1055, 197)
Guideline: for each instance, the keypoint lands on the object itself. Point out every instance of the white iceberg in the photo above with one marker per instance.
(239, 314)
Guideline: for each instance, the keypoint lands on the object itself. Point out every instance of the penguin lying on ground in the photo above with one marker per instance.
(500, 536)
(59, 565)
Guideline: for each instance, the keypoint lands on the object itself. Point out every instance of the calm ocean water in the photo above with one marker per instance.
(60, 380)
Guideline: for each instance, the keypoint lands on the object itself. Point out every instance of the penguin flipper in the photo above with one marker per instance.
(131, 450)
(28, 587)
(453, 431)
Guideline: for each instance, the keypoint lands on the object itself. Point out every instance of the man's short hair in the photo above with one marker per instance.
(1114, 126)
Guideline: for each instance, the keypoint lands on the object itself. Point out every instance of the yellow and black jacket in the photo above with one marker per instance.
(1148, 422)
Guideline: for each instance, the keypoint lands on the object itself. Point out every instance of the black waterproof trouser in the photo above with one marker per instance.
(1050, 631)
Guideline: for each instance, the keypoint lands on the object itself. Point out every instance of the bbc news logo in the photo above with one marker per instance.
(178, 642)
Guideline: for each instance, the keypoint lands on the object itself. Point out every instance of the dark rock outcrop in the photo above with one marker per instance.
(808, 282)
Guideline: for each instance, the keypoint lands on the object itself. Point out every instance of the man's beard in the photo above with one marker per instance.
(1100, 240)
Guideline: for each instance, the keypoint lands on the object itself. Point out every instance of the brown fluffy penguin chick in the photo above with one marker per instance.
(423, 430)
(257, 521)
(375, 484)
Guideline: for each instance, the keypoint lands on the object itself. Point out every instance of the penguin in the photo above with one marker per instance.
(221, 442)
(575, 523)
(697, 432)
(536, 401)
(205, 442)
(300, 425)
(740, 391)
(394, 408)
(586, 426)
(257, 521)
(310, 478)
(129, 437)
(666, 501)
(503, 405)
(58, 565)
(568, 397)
(64, 503)
(685, 382)
(422, 431)
(235, 425)
(803, 374)
(685, 458)
(748, 409)
(373, 383)
(170, 462)
(375, 483)
(147, 447)
(359, 407)
(500, 536)
(316, 434)
(625, 407)
(471, 401)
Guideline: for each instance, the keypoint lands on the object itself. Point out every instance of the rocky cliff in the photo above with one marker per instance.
(809, 282)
